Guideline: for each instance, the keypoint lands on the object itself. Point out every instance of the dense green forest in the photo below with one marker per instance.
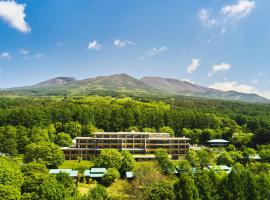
(33, 128)
(198, 119)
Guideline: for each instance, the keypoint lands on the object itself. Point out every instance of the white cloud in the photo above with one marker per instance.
(265, 94)
(157, 50)
(38, 55)
(94, 45)
(193, 66)
(219, 67)
(14, 14)
(24, 52)
(261, 74)
(233, 86)
(204, 16)
(239, 10)
(243, 88)
(154, 51)
(121, 43)
(5, 56)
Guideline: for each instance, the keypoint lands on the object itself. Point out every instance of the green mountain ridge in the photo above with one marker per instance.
(125, 84)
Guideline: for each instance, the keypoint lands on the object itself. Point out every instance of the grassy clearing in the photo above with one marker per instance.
(77, 165)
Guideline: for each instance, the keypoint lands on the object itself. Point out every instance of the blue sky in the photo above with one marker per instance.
(222, 44)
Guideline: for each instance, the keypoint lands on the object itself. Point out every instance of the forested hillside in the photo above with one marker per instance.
(199, 119)
(33, 129)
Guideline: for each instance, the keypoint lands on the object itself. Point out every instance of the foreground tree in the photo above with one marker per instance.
(167, 129)
(164, 161)
(128, 162)
(145, 176)
(109, 158)
(63, 139)
(8, 143)
(10, 173)
(44, 152)
(34, 174)
(225, 159)
(184, 167)
(185, 188)
(74, 129)
(207, 184)
(160, 191)
(97, 193)
(50, 189)
(68, 183)
(110, 176)
(9, 192)
(205, 156)
(265, 154)
(240, 184)
(193, 158)
(89, 129)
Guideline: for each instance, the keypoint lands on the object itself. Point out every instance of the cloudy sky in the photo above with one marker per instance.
(216, 43)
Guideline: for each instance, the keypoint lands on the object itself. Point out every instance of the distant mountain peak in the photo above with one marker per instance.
(174, 85)
(126, 84)
(57, 81)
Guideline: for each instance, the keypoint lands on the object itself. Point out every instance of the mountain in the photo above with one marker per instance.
(175, 85)
(58, 81)
(189, 89)
(123, 84)
(113, 82)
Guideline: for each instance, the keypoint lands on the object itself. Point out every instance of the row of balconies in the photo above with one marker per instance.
(93, 151)
(160, 140)
(133, 142)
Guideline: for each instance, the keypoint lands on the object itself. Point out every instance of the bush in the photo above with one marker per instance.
(110, 176)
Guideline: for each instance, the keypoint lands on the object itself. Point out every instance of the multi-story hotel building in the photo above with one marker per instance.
(141, 144)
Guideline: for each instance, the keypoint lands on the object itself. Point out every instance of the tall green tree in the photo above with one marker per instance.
(44, 152)
(9, 192)
(97, 193)
(50, 189)
(34, 175)
(74, 129)
(164, 161)
(160, 191)
(10, 173)
(63, 139)
(167, 129)
(109, 158)
(225, 159)
(128, 162)
(185, 188)
(39, 134)
(208, 185)
(193, 158)
(110, 176)
(22, 138)
(8, 143)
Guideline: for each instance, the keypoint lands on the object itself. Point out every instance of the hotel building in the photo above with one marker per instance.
(141, 144)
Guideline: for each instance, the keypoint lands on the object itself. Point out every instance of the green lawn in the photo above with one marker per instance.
(77, 165)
